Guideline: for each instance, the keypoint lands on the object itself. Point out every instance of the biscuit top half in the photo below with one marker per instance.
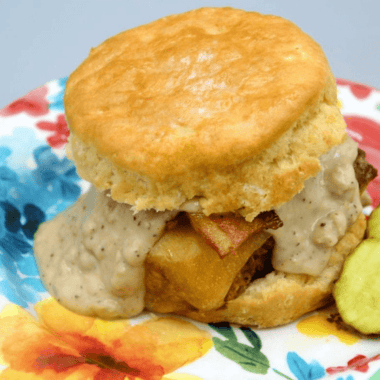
(199, 92)
(209, 87)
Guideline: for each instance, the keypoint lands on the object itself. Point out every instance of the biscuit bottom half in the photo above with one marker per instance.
(273, 300)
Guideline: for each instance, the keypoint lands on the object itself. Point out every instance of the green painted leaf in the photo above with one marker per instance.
(225, 329)
(252, 337)
(249, 358)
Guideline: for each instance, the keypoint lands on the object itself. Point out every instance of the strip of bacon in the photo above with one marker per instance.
(226, 232)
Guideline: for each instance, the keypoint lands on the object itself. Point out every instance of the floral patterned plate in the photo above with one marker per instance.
(41, 340)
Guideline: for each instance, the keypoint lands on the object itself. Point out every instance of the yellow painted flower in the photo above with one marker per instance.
(64, 345)
(319, 325)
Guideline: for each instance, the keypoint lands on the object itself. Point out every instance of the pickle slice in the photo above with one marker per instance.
(373, 227)
(357, 292)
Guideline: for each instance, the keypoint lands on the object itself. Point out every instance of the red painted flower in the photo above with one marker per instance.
(358, 363)
(62, 345)
(360, 91)
(34, 104)
(59, 138)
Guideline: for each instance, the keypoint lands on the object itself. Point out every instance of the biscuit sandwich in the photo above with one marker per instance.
(225, 186)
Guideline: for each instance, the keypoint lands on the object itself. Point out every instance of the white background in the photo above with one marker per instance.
(42, 40)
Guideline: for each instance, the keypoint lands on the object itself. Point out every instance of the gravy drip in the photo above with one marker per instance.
(318, 217)
(91, 256)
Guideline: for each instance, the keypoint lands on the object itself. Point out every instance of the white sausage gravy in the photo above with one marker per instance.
(318, 217)
(91, 257)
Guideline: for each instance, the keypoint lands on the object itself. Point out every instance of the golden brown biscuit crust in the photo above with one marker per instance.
(191, 102)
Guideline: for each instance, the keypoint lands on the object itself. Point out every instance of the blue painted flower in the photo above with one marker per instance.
(56, 100)
(5, 152)
(350, 377)
(28, 196)
(58, 178)
(303, 370)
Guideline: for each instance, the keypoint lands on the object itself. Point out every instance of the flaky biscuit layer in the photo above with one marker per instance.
(261, 183)
(217, 103)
